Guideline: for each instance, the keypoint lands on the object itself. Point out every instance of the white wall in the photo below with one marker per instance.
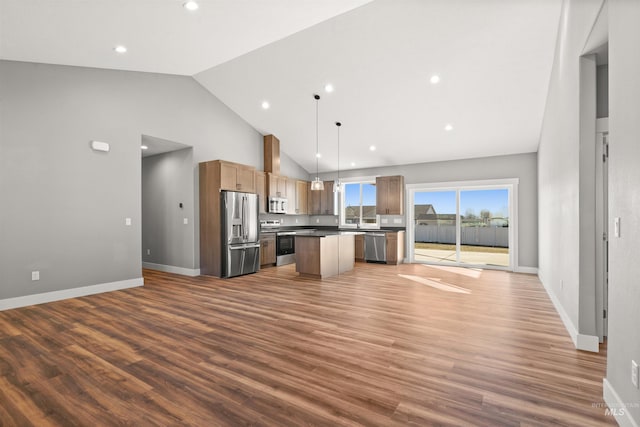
(64, 205)
(624, 198)
(559, 166)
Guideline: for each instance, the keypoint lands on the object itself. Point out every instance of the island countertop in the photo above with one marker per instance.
(325, 253)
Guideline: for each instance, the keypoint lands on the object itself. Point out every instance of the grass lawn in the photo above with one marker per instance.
(463, 248)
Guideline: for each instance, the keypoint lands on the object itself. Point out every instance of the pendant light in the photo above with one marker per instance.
(317, 185)
(338, 186)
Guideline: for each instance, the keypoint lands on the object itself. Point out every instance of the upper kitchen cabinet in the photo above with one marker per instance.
(292, 197)
(390, 195)
(235, 176)
(271, 154)
(261, 191)
(302, 198)
(322, 202)
(276, 185)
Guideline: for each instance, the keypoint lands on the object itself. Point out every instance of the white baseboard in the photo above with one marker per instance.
(580, 341)
(528, 270)
(617, 407)
(17, 302)
(192, 272)
(588, 343)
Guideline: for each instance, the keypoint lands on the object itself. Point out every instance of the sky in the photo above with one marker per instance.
(496, 201)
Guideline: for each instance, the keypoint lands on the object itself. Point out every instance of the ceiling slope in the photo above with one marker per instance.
(494, 59)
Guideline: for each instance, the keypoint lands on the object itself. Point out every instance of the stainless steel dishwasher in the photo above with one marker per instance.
(375, 247)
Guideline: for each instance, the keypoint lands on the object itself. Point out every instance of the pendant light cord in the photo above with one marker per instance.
(317, 97)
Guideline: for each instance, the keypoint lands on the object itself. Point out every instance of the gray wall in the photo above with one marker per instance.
(559, 165)
(602, 91)
(624, 185)
(64, 205)
(522, 166)
(167, 181)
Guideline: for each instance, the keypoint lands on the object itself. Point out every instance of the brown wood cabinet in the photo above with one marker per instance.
(236, 177)
(276, 185)
(292, 196)
(390, 195)
(261, 190)
(321, 202)
(395, 247)
(267, 249)
(359, 242)
(302, 198)
(271, 154)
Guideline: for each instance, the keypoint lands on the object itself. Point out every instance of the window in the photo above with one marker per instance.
(359, 204)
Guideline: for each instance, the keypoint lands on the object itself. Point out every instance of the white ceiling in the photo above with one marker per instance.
(494, 58)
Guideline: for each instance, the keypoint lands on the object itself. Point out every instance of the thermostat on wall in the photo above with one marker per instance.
(100, 146)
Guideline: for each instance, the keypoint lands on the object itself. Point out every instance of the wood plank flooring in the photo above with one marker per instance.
(366, 348)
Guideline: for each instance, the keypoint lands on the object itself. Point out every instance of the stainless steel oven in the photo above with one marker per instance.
(285, 247)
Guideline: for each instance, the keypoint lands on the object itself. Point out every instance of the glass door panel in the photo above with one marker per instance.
(435, 227)
(484, 227)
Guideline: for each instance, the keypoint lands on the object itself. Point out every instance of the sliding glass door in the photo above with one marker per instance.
(435, 227)
(484, 227)
(467, 225)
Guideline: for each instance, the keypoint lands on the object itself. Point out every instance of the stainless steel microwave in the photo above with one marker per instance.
(277, 205)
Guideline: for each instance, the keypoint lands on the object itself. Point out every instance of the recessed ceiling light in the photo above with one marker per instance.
(265, 105)
(191, 5)
(353, 164)
(120, 49)
(143, 147)
(328, 88)
(435, 79)
(318, 155)
(448, 127)
(372, 148)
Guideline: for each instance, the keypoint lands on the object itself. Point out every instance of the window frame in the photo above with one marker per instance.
(343, 205)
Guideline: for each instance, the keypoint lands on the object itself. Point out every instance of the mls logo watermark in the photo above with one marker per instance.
(615, 412)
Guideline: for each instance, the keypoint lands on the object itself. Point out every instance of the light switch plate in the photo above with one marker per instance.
(185, 221)
(616, 226)
(35, 275)
(127, 221)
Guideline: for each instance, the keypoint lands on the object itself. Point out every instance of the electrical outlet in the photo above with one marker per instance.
(35, 275)
(634, 373)
(148, 251)
(185, 221)
(296, 220)
(317, 220)
(127, 221)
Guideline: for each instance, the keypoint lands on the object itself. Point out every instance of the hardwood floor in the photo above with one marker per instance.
(365, 348)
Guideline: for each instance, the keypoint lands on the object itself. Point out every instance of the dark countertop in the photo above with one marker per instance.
(329, 233)
(334, 229)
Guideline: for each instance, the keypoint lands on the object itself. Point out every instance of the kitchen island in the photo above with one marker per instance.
(325, 254)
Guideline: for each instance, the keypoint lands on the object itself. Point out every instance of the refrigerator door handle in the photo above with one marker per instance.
(244, 218)
(248, 246)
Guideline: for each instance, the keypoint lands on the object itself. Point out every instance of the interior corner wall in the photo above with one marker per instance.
(559, 166)
(290, 168)
(167, 183)
(623, 343)
(64, 205)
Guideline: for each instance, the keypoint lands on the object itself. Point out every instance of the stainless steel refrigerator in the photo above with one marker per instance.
(240, 241)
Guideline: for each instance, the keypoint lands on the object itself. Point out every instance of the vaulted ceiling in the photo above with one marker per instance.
(493, 58)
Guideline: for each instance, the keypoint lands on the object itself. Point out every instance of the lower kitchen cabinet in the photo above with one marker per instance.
(359, 242)
(267, 249)
(395, 247)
